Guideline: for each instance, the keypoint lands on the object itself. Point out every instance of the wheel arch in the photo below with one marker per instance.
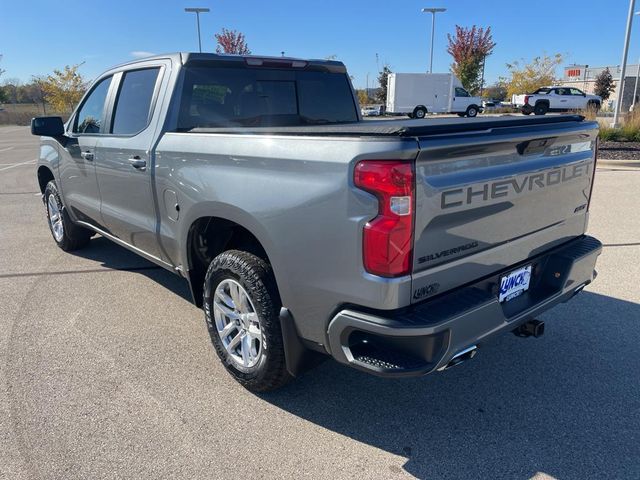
(208, 235)
(419, 107)
(45, 175)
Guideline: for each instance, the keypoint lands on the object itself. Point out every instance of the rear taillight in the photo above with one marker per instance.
(526, 99)
(593, 174)
(388, 238)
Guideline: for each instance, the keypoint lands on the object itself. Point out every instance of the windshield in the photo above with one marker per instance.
(257, 97)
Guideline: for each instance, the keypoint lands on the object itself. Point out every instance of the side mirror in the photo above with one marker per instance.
(47, 126)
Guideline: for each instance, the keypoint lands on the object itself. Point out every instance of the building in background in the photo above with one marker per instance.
(584, 78)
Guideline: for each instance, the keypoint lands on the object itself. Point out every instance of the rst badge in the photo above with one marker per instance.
(514, 284)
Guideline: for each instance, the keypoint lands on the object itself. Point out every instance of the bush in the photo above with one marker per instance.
(608, 134)
(629, 132)
(22, 113)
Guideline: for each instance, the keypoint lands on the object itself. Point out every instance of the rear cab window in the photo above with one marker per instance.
(133, 102)
(259, 97)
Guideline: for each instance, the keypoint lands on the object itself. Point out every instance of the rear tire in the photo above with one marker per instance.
(67, 235)
(242, 311)
(419, 112)
(540, 109)
(593, 106)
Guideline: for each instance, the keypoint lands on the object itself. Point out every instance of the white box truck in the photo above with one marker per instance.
(417, 94)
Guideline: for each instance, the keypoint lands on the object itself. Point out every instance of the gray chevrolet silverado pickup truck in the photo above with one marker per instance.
(396, 247)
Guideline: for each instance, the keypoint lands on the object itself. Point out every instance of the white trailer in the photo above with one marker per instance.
(417, 94)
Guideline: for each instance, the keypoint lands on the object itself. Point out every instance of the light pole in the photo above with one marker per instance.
(625, 51)
(433, 12)
(197, 11)
(635, 88)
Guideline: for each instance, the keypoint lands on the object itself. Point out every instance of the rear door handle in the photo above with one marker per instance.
(137, 162)
(87, 155)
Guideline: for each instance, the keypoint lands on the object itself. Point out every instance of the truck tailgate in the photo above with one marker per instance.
(489, 199)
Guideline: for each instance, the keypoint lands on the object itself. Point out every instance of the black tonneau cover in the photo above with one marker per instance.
(399, 128)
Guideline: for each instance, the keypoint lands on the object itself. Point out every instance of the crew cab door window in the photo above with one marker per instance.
(133, 103)
(90, 117)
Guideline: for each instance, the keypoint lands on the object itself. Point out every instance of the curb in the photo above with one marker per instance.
(617, 164)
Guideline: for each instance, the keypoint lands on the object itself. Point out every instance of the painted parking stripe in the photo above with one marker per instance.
(6, 149)
(17, 165)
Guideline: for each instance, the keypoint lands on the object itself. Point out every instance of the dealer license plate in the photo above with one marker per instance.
(515, 284)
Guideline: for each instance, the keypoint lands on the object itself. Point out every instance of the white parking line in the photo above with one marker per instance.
(5, 149)
(17, 165)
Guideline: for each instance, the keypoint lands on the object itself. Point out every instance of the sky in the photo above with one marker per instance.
(38, 36)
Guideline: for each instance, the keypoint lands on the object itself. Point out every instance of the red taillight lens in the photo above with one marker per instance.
(526, 100)
(593, 175)
(388, 238)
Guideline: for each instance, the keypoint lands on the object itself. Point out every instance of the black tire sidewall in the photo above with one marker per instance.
(472, 108)
(540, 109)
(256, 278)
(52, 189)
(74, 236)
(420, 113)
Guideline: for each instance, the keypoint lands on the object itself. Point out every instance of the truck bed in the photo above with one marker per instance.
(398, 128)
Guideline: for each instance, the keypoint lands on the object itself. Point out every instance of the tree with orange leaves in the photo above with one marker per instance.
(231, 41)
(469, 49)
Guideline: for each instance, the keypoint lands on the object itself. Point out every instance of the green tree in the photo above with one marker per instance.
(528, 77)
(383, 79)
(604, 86)
(64, 88)
(363, 97)
(469, 48)
(11, 88)
(1, 70)
(497, 91)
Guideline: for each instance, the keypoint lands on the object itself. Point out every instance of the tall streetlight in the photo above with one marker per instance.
(623, 69)
(197, 11)
(635, 88)
(433, 12)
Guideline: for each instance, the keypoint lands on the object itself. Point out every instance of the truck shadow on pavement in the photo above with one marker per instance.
(566, 405)
(114, 257)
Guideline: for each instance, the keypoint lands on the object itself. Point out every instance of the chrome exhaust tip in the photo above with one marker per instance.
(461, 357)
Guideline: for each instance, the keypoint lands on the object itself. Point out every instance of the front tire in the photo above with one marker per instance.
(593, 106)
(242, 308)
(67, 235)
(540, 109)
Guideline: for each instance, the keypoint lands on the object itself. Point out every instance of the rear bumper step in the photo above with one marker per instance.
(446, 331)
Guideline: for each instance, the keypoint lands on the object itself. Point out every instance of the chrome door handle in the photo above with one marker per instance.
(87, 155)
(137, 162)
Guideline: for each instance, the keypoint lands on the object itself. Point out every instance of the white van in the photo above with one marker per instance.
(417, 94)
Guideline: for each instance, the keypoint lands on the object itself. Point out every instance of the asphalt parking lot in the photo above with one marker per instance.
(106, 371)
